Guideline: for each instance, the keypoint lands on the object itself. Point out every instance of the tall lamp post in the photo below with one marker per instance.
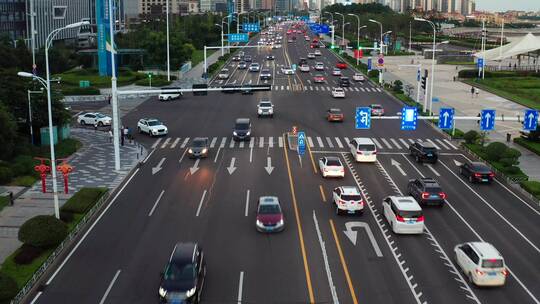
(168, 48)
(357, 36)
(342, 28)
(381, 41)
(432, 57)
(221, 26)
(30, 92)
(228, 29)
(238, 21)
(331, 25)
(47, 84)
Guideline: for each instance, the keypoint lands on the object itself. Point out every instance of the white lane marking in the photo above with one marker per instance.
(441, 143)
(316, 88)
(148, 156)
(240, 286)
(271, 142)
(223, 142)
(252, 142)
(377, 143)
(363, 90)
(378, 90)
(410, 140)
(175, 143)
(182, 157)
(395, 143)
(247, 203)
(280, 142)
(231, 144)
(339, 142)
(405, 144)
(434, 144)
(493, 209)
(166, 142)
(217, 154)
(200, 203)
(213, 143)
(156, 203)
(329, 141)
(310, 142)
(356, 89)
(37, 295)
(288, 88)
(261, 142)
(326, 263)
(90, 229)
(110, 287)
(282, 88)
(319, 141)
(156, 143)
(450, 144)
(347, 142)
(386, 143)
(430, 166)
(241, 144)
(184, 143)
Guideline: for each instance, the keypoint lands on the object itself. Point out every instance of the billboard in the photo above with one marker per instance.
(104, 37)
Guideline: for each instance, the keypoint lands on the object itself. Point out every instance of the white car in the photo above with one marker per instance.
(338, 93)
(336, 72)
(223, 74)
(265, 108)
(276, 46)
(317, 53)
(94, 119)
(363, 149)
(331, 166)
(319, 66)
(152, 127)
(304, 68)
(403, 214)
(307, 38)
(311, 56)
(481, 263)
(358, 77)
(348, 199)
(254, 67)
(287, 71)
(170, 96)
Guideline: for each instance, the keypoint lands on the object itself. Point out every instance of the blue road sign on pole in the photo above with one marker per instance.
(325, 29)
(531, 120)
(363, 118)
(418, 75)
(480, 63)
(238, 37)
(435, 99)
(251, 27)
(369, 64)
(301, 143)
(446, 118)
(409, 118)
(487, 120)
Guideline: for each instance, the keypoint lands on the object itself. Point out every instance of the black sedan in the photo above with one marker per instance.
(270, 57)
(477, 172)
(199, 147)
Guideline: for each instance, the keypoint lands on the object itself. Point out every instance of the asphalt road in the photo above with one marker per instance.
(212, 201)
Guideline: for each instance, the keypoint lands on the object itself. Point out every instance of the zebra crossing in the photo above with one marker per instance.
(314, 142)
(327, 88)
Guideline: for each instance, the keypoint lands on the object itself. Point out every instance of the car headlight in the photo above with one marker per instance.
(190, 151)
(280, 223)
(259, 111)
(248, 133)
(204, 150)
(162, 292)
(260, 224)
(234, 133)
(190, 292)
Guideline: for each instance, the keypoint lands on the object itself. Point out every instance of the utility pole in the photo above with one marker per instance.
(114, 93)
(168, 51)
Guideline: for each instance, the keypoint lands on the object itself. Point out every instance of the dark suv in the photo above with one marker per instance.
(344, 82)
(183, 277)
(302, 61)
(426, 191)
(424, 152)
(242, 129)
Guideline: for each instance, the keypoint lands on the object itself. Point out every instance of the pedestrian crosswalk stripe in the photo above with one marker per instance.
(363, 90)
(405, 144)
(329, 141)
(280, 142)
(241, 144)
(156, 143)
(450, 144)
(282, 88)
(442, 144)
(166, 142)
(386, 143)
(316, 88)
(395, 143)
(175, 143)
(410, 140)
(261, 142)
(346, 141)
(339, 142)
(251, 142)
(377, 143)
(433, 143)
(356, 89)
(271, 142)
(288, 88)
(184, 143)
(223, 141)
(319, 140)
(311, 88)
(378, 90)
(231, 144)
(310, 142)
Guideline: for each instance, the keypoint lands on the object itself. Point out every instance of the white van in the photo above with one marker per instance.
(403, 214)
(363, 149)
(481, 263)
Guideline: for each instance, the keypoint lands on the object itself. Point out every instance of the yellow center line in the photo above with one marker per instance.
(322, 193)
(299, 225)
(312, 160)
(344, 264)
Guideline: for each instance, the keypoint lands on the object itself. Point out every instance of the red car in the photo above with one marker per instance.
(341, 65)
(269, 215)
(334, 115)
(318, 78)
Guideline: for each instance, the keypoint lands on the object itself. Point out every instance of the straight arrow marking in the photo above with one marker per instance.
(269, 167)
(158, 168)
(231, 168)
(396, 164)
(195, 167)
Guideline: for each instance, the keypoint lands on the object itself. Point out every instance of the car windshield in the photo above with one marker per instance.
(242, 126)
(265, 71)
(351, 197)
(199, 143)
(480, 168)
(367, 147)
(335, 111)
(100, 115)
(265, 104)
(492, 263)
(179, 272)
(376, 107)
(433, 189)
(154, 123)
(430, 150)
(269, 209)
(333, 162)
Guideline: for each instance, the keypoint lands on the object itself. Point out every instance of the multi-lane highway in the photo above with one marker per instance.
(212, 201)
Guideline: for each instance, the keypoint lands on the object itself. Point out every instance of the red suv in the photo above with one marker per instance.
(341, 65)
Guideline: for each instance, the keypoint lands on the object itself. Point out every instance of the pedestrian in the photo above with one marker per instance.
(122, 136)
(478, 120)
(472, 92)
(95, 126)
(126, 132)
(110, 96)
(110, 136)
(11, 200)
(454, 78)
(477, 92)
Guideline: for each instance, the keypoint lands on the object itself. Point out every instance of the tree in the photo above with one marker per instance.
(8, 133)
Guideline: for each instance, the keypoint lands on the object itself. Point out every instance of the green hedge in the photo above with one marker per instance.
(473, 73)
(83, 200)
(458, 134)
(43, 231)
(533, 187)
(512, 172)
(529, 145)
(8, 288)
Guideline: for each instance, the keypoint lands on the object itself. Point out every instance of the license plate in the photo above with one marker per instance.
(484, 179)
(492, 273)
(430, 155)
(350, 212)
(434, 195)
(411, 222)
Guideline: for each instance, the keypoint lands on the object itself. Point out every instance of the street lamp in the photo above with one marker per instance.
(47, 84)
(221, 26)
(331, 17)
(30, 92)
(380, 24)
(168, 51)
(228, 30)
(357, 36)
(342, 27)
(432, 57)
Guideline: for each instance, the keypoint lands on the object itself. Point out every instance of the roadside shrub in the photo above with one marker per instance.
(512, 170)
(66, 217)
(83, 200)
(26, 254)
(8, 288)
(510, 156)
(398, 86)
(495, 151)
(471, 137)
(468, 73)
(373, 74)
(43, 231)
(531, 187)
(23, 165)
(5, 175)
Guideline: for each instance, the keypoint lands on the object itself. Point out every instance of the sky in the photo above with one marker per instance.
(503, 5)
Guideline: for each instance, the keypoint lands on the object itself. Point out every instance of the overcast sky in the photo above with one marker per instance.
(503, 5)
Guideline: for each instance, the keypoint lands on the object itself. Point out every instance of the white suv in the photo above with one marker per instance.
(223, 74)
(363, 149)
(152, 127)
(170, 95)
(338, 93)
(348, 199)
(403, 214)
(265, 108)
(481, 263)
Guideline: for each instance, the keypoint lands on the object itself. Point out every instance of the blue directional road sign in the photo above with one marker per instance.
(369, 64)
(446, 118)
(530, 122)
(325, 29)
(238, 37)
(480, 63)
(301, 143)
(418, 75)
(487, 120)
(409, 118)
(251, 27)
(363, 118)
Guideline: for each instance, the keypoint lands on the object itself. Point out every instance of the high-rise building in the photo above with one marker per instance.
(13, 18)
(242, 6)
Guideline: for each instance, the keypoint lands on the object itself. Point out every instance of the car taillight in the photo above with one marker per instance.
(420, 218)
(477, 175)
(400, 218)
(478, 272)
(491, 174)
(425, 195)
(342, 169)
(505, 272)
(359, 152)
(442, 195)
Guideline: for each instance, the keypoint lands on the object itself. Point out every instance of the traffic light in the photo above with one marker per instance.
(424, 79)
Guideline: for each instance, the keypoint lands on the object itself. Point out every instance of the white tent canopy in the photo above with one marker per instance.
(528, 44)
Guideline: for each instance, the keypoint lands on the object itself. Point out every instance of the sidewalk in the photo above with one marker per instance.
(92, 165)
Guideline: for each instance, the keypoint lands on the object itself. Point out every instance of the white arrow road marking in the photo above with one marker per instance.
(156, 143)
(231, 168)
(396, 164)
(326, 263)
(457, 163)
(195, 167)
(269, 167)
(352, 235)
(430, 166)
(158, 168)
